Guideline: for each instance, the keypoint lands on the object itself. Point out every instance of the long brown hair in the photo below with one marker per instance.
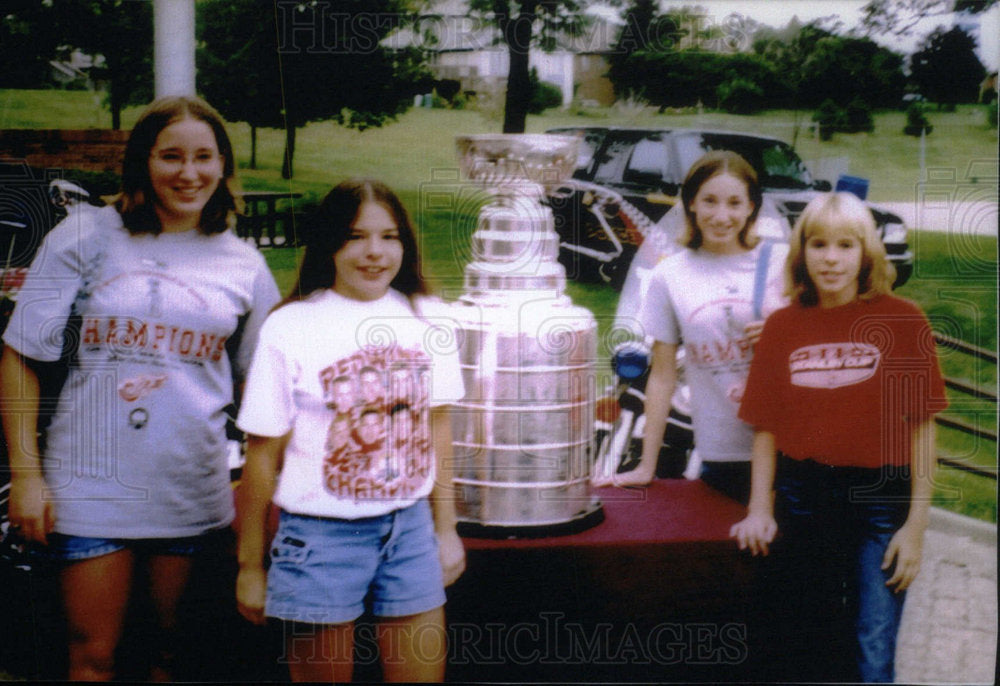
(136, 200)
(329, 228)
(712, 164)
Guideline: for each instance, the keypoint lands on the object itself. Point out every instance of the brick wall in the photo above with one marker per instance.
(87, 149)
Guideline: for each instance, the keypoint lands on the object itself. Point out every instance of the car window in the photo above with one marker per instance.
(588, 146)
(611, 161)
(647, 165)
(777, 165)
(783, 168)
(689, 149)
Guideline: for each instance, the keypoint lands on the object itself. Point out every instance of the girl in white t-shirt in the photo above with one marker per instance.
(704, 298)
(366, 517)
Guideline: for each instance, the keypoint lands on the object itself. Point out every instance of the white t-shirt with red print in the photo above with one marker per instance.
(353, 382)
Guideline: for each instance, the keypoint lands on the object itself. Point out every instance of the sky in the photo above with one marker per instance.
(777, 13)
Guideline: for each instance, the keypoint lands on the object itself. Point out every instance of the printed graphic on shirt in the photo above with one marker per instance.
(138, 340)
(723, 349)
(378, 444)
(139, 387)
(728, 346)
(146, 337)
(832, 365)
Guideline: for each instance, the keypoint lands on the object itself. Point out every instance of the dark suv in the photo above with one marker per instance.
(645, 168)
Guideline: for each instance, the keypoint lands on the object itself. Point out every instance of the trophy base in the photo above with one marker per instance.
(587, 519)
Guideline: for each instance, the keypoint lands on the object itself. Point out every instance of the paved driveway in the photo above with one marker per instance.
(949, 629)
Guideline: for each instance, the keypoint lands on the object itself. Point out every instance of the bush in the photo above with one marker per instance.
(991, 114)
(543, 95)
(858, 117)
(448, 88)
(916, 120)
(438, 102)
(830, 118)
(740, 96)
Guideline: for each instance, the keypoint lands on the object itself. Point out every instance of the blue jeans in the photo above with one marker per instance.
(325, 571)
(835, 524)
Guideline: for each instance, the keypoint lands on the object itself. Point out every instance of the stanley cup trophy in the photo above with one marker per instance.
(523, 434)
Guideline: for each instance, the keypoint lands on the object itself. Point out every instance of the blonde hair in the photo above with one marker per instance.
(838, 214)
(708, 166)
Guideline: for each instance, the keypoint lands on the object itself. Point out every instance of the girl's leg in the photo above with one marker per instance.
(320, 653)
(95, 596)
(168, 577)
(879, 608)
(413, 648)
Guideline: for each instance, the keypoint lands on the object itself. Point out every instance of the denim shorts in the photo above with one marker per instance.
(325, 571)
(69, 548)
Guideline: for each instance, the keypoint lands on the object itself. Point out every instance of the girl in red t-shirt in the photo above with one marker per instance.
(841, 394)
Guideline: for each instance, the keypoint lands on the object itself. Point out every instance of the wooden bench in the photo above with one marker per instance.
(262, 217)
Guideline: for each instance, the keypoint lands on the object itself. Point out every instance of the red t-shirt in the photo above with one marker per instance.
(847, 385)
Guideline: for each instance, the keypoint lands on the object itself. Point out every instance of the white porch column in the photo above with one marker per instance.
(173, 47)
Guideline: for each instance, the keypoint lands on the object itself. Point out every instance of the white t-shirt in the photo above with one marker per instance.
(354, 383)
(704, 301)
(664, 239)
(137, 447)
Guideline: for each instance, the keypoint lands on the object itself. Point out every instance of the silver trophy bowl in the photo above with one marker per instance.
(508, 160)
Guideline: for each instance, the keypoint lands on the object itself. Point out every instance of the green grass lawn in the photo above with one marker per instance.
(955, 282)
(418, 149)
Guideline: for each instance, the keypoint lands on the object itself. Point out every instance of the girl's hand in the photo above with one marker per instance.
(452, 555)
(753, 330)
(906, 548)
(31, 513)
(251, 590)
(640, 476)
(755, 532)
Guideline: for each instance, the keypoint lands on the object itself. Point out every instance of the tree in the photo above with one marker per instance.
(899, 17)
(946, 69)
(25, 45)
(283, 65)
(516, 21)
(684, 78)
(844, 68)
(787, 50)
(740, 96)
(644, 29)
(237, 67)
(120, 31)
(916, 121)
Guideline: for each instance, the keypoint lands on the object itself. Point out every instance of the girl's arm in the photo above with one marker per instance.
(263, 461)
(906, 546)
(442, 499)
(659, 392)
(757, 530)
(30, 499)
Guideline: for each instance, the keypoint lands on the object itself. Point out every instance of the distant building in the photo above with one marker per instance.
(76, 70)
(472, 52)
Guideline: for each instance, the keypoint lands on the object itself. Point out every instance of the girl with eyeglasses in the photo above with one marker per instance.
(131, 478)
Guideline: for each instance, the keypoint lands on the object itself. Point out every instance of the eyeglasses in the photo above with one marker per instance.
(176, 160)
